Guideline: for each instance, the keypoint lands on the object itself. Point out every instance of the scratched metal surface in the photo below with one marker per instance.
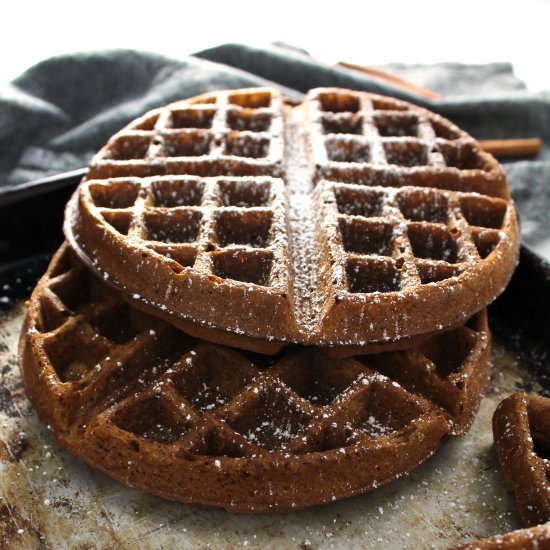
(48, 499)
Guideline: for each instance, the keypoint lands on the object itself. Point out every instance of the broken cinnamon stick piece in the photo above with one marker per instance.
(386, 76)
(504, 148)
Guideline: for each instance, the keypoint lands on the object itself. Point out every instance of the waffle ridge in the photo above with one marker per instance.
(367, 220)
(233, 429)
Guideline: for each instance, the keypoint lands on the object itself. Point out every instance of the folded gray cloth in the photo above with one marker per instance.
(58, 113)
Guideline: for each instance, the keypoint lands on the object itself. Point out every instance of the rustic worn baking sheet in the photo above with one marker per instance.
(50, 500)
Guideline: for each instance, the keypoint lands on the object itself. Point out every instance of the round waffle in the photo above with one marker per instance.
(347, 220)
(212, 426)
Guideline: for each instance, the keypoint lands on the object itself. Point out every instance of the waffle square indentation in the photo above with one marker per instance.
(70, 290)
(117, 324)
(486, 241)
(342, 123)
(359, 201)
(172, 226)
(424, 205)
(191, 118)
(177, 192)
(248, 120)
(151, 419)
(385, 410)
(338, 102)
(444, 130)
(247, 266)
(206, 382)
(387, 104)
(69, 365)
(408, 154)
(245, 145)
(461, 156)
(373, 275)
(218, 439)
(316, 377)
(362, 236)
(184, 254)
(349, 149)
(187, 144)
(251, 100)
(269, 419)
(208, 100)
(243, 227)
(449, 351)
(433, 242)
(483, 212)
(115, 194)
(128, 147)
(147, 124)
(244, 194)
(396, 125)
(119, 221)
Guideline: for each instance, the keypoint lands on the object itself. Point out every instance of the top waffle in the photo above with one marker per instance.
(348, 219)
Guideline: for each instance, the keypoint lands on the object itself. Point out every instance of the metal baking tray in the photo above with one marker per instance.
(48, 499)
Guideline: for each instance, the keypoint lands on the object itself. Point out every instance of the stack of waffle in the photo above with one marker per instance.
(265, 306)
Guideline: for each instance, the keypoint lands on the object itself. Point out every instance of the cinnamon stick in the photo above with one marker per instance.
(504, 148)
(382, 74)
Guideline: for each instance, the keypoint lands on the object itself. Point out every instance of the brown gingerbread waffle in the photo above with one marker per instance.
(346, 221)
(521, 428)
(534, 538)
(212, 426)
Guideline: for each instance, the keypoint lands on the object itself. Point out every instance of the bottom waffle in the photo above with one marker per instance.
(272, 347)
(211, 426)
